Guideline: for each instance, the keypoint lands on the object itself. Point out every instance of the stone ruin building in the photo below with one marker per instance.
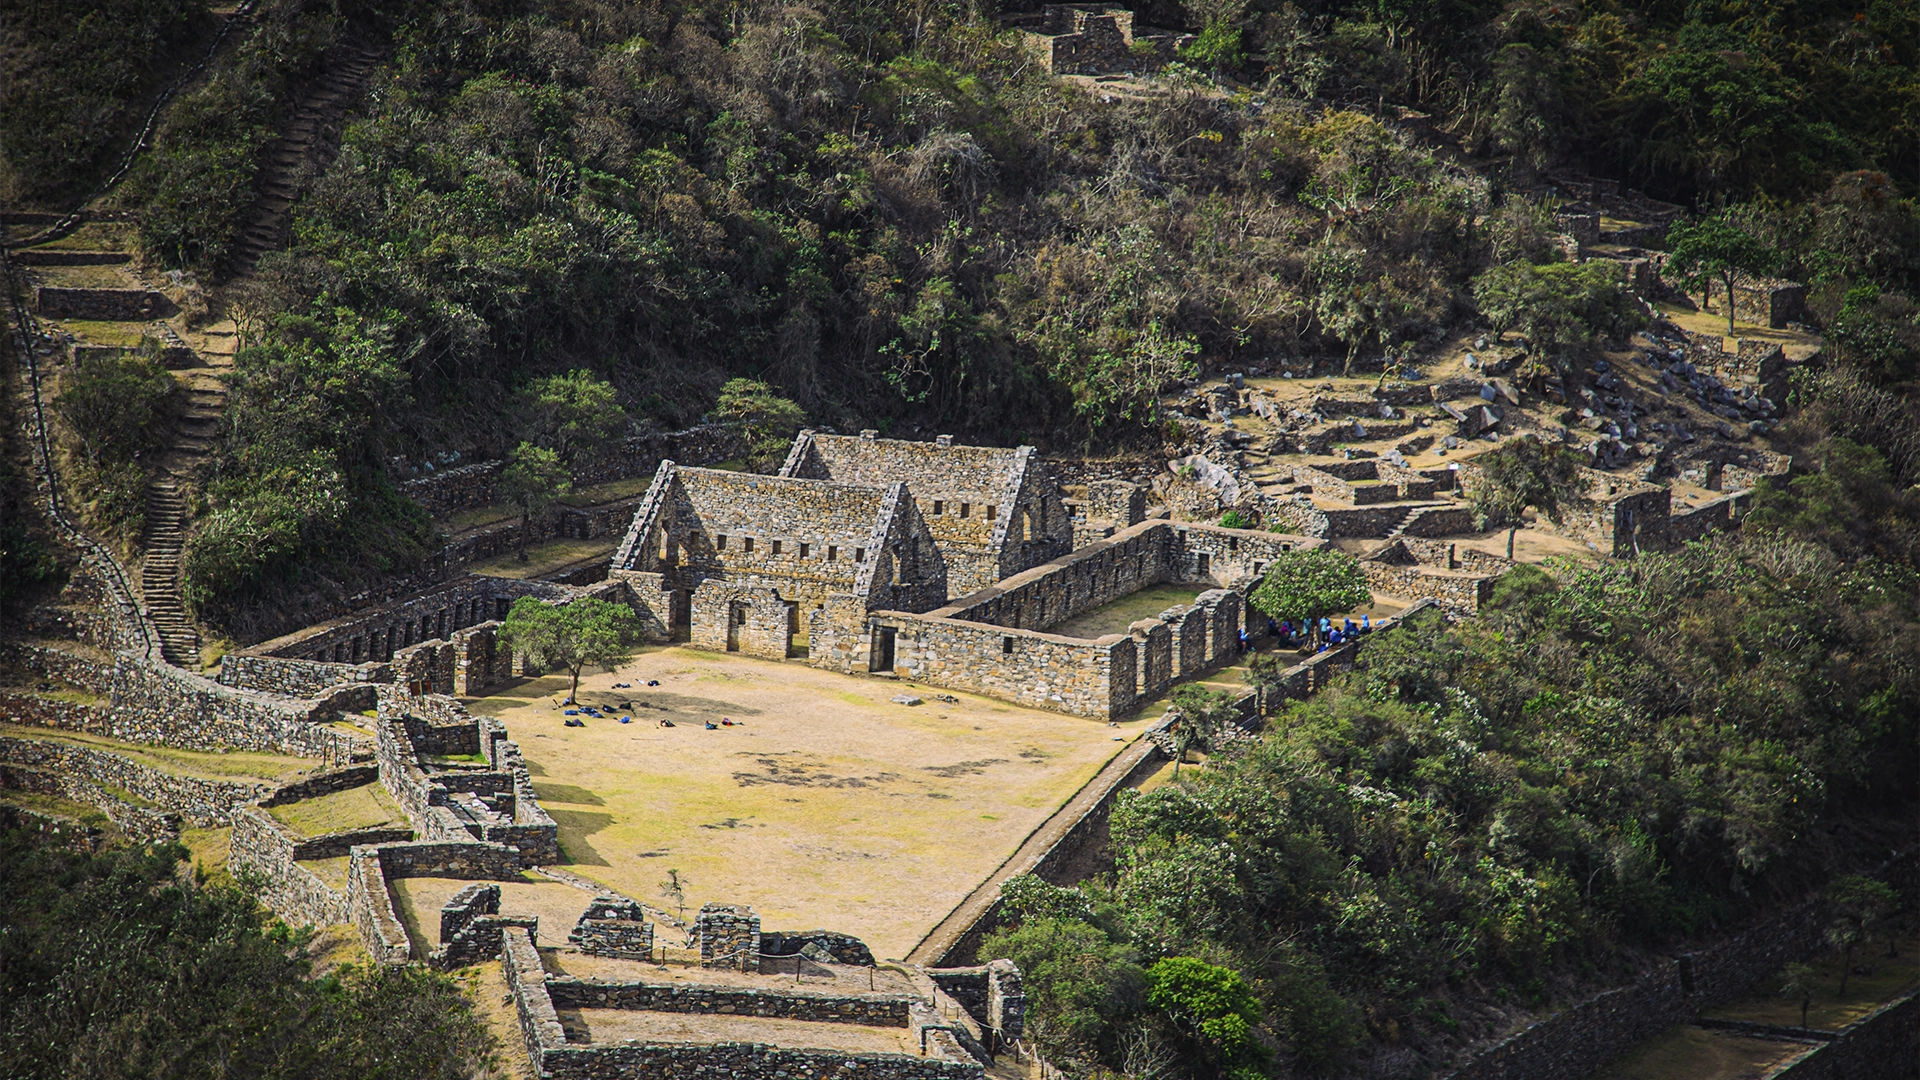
(1092, 39)
(741, 563)
(993, 512)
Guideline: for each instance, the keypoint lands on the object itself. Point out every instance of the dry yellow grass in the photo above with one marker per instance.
(548, 557)
(364, 807)
(1690, 1053)
(830, 807)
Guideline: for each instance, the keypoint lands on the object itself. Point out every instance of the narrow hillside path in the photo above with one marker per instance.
(302, 146)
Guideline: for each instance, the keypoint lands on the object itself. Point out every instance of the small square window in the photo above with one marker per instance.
(776, 547)
(939, 507)
(833, 553)
(720, 542)
(859, 554)
(747, 545)
(990, 509)
(965, 508)
(803, 549)
(1006, 646)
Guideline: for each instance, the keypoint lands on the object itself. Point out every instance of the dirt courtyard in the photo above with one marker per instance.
(824, 806)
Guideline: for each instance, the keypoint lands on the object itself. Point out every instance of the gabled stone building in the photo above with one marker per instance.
(993, 512)
(773, 565)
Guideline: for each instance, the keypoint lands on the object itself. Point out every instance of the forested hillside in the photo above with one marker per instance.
(892, 216)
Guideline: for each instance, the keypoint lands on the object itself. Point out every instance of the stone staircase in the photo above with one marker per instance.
(284, 170)
(160, 574)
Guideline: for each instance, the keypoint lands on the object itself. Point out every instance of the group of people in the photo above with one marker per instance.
(1292, 635)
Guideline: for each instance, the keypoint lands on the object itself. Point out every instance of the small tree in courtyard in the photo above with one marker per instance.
(1856, 906)
(1798, 982)
(1715, 249)
(574, 635)
(1311, 584)
(1204, 714)
(534, 477)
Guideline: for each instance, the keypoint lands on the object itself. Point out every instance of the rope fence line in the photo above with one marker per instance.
(111, 573)
(79, 214)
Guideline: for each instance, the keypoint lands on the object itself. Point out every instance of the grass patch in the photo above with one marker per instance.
(608, 492)
(331, 872)
(93, 332)
(457, 759)
(55, 806)
(95, 236)
(365, 807)
(240, 766)
(208, 849)
(548, 557)
(1114, 617)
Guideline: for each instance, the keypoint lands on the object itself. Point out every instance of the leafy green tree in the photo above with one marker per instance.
(1311, 584)
(1523, 473)
(1716, 249)
(1856, 906)
(768, 420)
(1561, 307)
(575, 415)
(1214, 1007)
(1797, 981)
(1030, 896)
(1079, 982)
(115, 406)
(1204, 714)
(533, 478)
(574, 635)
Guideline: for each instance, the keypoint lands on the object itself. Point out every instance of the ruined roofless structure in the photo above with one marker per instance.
(993, 512)
(742, 563)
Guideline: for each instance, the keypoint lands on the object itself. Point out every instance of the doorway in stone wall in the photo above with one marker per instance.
(882, 649)
(736, 618)
(797, 642)
(680, 615)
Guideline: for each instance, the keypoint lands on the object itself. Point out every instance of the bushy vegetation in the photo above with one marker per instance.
(195, 186)
(74, 79)
(116, 965)
(113, 412)
(1609, 757)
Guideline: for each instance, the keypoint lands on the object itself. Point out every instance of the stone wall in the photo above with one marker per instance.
(1043, 671)
(472, 929)
(376, 634)
(1461, 591)
(494, 804)
(371, 908)
(1094, 575)
(728, 935)
(613, 926)
(1883, 1045)
(263, 849)
(840, 948)
(875, 1010)
(158, 703)
(39, 710)
(59, 665)
(553, 1057)
(104, 305)
(295, 678)
(203, 802)
(140, 824)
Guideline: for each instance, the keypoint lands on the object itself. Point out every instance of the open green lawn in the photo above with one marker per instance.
(829, 807)
(365, 807)
(241, 766)
(55, 806)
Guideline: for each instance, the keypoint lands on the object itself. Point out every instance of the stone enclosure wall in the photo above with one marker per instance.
(106, 305)
(204, 803)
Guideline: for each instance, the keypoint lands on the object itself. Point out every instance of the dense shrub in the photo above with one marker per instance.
(118, 966)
